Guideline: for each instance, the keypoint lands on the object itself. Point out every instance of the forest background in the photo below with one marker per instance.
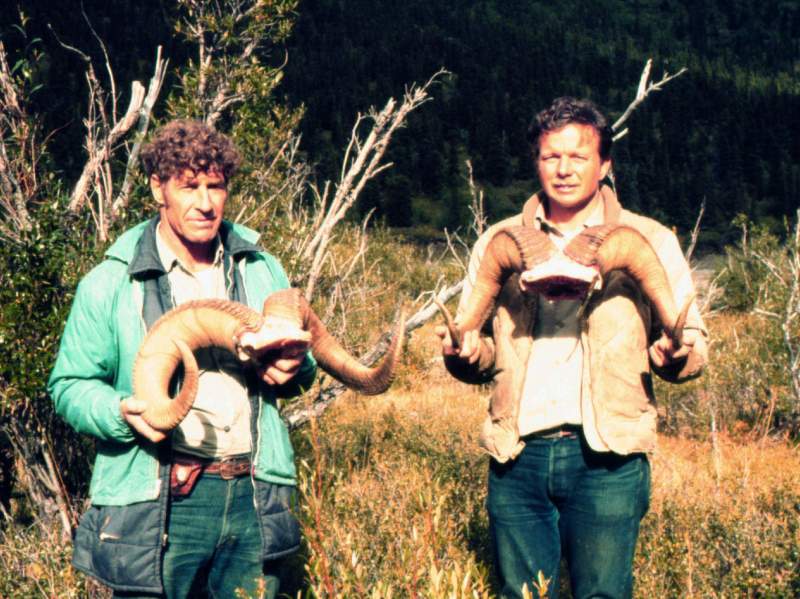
(392, 488)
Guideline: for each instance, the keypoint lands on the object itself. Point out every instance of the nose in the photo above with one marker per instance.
(204, 199)
(564, 166)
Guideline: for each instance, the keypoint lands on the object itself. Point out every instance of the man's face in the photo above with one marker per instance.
(191, 206)
(570, 167)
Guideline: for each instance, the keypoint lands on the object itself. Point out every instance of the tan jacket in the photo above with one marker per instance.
(617, 402)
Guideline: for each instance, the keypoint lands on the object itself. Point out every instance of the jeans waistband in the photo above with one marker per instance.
(556, 432)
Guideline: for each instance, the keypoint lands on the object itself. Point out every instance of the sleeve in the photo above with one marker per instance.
(680, 278)
(482, 371)
(304, 378)
(81, 384)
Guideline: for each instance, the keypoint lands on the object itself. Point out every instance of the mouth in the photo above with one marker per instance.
(564, 188)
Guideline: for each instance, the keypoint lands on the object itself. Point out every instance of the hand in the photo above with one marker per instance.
(281, 366)
(131, 410)
(663, 354)
(470, 349)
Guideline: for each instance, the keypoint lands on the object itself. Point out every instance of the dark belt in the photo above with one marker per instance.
(556, 432)
(227, 467)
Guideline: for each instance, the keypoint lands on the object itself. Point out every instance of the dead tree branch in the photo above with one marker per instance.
(104, 131)
(19, 152)
(362, 162)
(476, 208)
(145, 112)
(695, 232)
(646, 87)
(784, 269)
(297, 415)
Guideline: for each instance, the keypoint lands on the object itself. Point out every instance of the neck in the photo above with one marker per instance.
(567, 218)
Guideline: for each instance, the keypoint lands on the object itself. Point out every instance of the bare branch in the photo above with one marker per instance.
(644, 90)
(153, 90)
(476, 205)
(359, 170)
(105, 147)
(695, 231)
(297, 416)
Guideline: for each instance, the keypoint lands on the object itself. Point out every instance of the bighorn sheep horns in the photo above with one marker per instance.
(604, 248)
(287, 321)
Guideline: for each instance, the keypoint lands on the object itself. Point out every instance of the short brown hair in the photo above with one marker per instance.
(184, 144)
(566, 110)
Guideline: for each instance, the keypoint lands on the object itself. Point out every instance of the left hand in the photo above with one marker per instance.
(662, 353)
(278, 351)
(282, 367)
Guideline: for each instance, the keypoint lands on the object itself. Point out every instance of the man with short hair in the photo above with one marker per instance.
(569, 474)
(203, 510)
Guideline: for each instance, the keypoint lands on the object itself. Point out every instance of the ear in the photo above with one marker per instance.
(157, 189)
(605, 166)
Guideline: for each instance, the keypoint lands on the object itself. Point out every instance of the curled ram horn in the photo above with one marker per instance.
(596, 251)
(287, 322)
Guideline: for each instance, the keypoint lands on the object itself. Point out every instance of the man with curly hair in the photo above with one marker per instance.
(204, 510)
(569, 475)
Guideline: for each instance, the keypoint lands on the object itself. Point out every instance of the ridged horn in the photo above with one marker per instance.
(172, 340)
(329, 353)
(221, 323)
(619, 247)
(514, 249)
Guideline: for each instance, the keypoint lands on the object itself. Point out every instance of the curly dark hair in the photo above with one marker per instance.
(566, 110)
(182, 144)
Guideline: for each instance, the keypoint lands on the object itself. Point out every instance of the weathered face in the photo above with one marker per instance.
(570, 167)
(191, 206)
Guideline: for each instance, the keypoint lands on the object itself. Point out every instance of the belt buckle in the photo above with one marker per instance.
(233, 467)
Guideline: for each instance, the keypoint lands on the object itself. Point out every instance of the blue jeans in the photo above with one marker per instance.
(214, 545)
(561, 498)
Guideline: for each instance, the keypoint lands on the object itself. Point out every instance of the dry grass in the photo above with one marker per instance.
(399, 499)
(393, 491)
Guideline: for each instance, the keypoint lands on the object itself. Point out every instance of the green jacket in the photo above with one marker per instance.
(113, 305)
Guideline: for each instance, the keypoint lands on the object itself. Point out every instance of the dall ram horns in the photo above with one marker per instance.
(287, 317)
(604, 247)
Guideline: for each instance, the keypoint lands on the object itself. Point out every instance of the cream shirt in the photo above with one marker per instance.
(219, 422)
(551, 394)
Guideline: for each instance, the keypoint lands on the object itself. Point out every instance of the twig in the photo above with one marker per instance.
(358, 170)
(153, 90)
(695, 231)
(644, 90)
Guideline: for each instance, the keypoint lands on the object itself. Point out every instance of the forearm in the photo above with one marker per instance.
(90, 406)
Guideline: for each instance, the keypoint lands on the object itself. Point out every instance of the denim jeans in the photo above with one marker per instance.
(214, 545)
(561, 498)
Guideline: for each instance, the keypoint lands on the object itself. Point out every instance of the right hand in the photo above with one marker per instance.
(470, 349)
(131, 410)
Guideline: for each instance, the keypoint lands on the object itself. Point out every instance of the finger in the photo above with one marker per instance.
(286, 364)
(470, 348)
(138, 424)
(447, 342)
(131, 405)
(656, 355)
(276, 376)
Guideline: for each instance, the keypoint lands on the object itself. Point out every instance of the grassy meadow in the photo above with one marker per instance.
(393, 491)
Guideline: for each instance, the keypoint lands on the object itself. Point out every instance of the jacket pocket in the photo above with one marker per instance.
(280, 531)
(121, 546)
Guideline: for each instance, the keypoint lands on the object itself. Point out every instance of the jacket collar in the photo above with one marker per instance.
(137, 246)
(611, 206)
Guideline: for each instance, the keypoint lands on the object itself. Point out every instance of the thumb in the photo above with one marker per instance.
(132, 405)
